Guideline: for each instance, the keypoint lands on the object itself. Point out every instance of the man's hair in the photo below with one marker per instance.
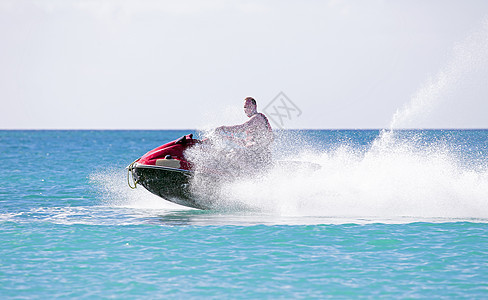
(252, 100)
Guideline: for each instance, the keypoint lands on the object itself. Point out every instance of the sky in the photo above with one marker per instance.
(332, 64)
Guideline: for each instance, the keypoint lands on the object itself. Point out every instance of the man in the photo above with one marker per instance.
(258, 134)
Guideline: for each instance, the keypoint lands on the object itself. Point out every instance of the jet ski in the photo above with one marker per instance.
(166, 172)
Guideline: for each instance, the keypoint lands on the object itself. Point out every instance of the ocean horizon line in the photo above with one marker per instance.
(194, 129)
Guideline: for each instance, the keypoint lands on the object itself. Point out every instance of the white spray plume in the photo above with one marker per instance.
(469, 56)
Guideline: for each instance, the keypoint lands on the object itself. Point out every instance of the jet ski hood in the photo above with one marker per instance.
(170, 154)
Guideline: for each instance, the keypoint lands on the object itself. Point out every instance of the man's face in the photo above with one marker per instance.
(249, 108)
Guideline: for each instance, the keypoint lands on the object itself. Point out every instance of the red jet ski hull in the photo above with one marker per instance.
(165, 172)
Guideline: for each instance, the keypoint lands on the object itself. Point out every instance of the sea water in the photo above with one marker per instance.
(390, 214)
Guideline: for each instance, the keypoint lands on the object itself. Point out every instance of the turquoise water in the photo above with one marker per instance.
(400, 215)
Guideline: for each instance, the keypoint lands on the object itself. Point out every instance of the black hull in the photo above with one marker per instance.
(168, 183)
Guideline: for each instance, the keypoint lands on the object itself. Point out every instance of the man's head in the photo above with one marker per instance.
(250, 106)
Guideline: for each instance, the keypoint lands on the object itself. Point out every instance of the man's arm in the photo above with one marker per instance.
(238, 128)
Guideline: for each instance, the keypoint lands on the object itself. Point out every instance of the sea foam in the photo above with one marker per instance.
(393, 178)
